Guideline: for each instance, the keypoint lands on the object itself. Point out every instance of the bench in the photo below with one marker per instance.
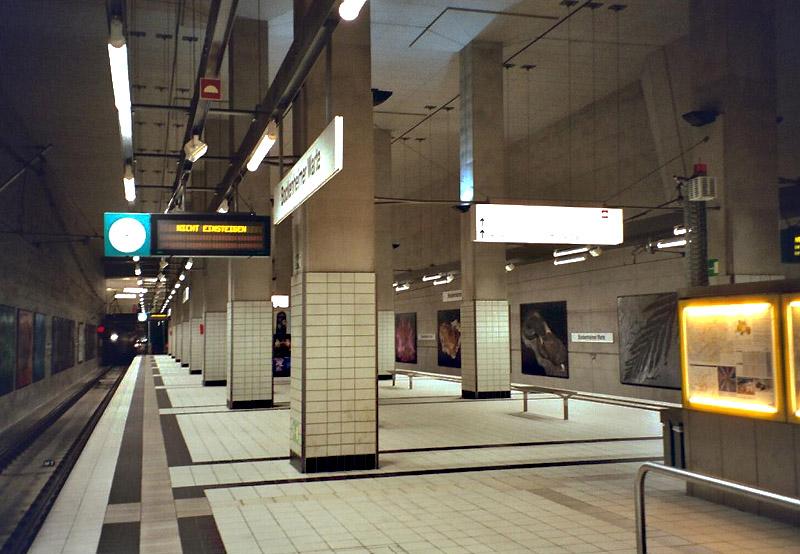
(564, 394)
(411, 373)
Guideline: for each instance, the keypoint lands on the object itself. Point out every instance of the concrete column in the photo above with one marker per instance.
(197, 320)
(384, 268)
(249, 333)
(186, 330)
(334, 424)
(215, 315)
(733, 53)
(485, 332)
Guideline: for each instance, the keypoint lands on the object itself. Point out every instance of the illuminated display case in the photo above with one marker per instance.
(791, 310)
(731, 355)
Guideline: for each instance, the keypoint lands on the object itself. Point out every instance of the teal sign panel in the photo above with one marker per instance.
(126, 234)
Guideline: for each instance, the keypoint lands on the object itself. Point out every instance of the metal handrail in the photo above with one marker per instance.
(698, 479)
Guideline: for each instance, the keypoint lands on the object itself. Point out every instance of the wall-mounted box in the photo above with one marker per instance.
(731, 357)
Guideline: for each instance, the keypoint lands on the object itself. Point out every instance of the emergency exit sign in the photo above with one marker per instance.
(790, 245)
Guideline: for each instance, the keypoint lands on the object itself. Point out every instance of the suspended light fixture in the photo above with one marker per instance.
(125, 296)
(182, 277)
(349, 9)
(189, 264)
(135, 290)
(401, 288)
(510, 267)
(195, 148)
(679, 230)
(223, 207)
(118, 60)
(671, 243)
(265, 143)
(572, 260)
(569, 251)
(129, 184)
(595, 252)
(446, 281)
(426, 278)
(177, 285)
(136, 258)
(113, 337)
(137, 271)
(141, 316)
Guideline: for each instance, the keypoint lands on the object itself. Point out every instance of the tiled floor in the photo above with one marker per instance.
(455, 476)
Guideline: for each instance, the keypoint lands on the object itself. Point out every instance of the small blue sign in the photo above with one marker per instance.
(126, 234)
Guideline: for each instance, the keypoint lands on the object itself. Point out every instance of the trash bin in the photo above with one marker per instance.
(672, 427)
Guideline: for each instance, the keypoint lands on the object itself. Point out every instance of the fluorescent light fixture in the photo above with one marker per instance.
(510, 267)
(280, 300)
(182, 277)
(195, 148)
(572, 260)
(679, 230)
(118, 61)
(177, 285)
(114, 337)
(129, 184)
(140, 282)
(189, 264)
(446, 281)
(393, 284)
(162, 278)
(151, 280)
(569, 251)
(349, 9)
(125, 296)
(426, 278)
(135, 290)
(595, 252)
(401, 288)
(137, 271)
(223, 207)
(141, 316)
(671, 243)
(136, 258)
(265, 143)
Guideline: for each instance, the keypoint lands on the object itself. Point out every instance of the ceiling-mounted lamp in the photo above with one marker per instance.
(671, 243)
(189, 264)
(510, 267)
(223, 207)
(571, 260)
(426, 278)
(595, 252)
(129, 184)
(265, 143)
(125, 296)
(141, 317)
(446, 281)
(118, 61)
(557, 253)
(195, 148)
(182, 277)
(349, 9)
(679, 230)
(137, 271)
(177, 285)
(401, 288)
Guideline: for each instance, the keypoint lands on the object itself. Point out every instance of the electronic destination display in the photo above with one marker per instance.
(210, 235)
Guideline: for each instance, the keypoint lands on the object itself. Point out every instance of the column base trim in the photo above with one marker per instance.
(471, 395)
(382, 377)
(350, 462)
(215, 383)
(195, 372)
(249, 404)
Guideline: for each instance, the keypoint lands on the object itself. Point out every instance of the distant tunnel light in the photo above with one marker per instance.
(265, 143)
(114, 337)
(349, 9)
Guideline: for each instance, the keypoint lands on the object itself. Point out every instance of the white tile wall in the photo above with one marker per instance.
(385, 341)
(186, 342)
(485, 350)
(197, 356)
(334, 335)
(177, 349)
(249, 350)
(215, 368)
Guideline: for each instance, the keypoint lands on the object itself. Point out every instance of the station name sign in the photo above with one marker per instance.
(321, 162)
(511, 223)
(182, 234)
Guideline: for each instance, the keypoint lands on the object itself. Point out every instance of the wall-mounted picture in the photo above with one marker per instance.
(24, 348)
(39, 346)
(448, 338)
(8, 348)
(543, 333)
(405, 338)
(649, 354)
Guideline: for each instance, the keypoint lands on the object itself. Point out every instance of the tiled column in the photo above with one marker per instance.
(216, 322)
(333, 416)
(384, 268)
(249, 334)
(486, 347)
(196, 308)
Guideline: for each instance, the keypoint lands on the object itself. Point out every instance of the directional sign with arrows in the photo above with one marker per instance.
(546, 224)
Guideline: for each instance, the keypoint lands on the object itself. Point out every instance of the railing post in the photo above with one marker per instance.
(641, 521)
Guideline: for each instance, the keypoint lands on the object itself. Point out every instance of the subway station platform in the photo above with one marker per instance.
(169, 468)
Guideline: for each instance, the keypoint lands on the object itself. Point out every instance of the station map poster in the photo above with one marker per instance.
(543, 334)
(448, 338)
(405, 338)
(39, 346)
(649, 354)
(24, 348)
(8, 348)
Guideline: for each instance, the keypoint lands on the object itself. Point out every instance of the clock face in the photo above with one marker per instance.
(127, 235)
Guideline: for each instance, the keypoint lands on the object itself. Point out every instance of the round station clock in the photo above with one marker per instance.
(127, 235)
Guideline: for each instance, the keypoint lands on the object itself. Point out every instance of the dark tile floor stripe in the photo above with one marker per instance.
(163, 399)
(158, 381)
(197, 491)
(127, 484)
(177, 451)
(200, 535)
(516, 444)
(119, 538)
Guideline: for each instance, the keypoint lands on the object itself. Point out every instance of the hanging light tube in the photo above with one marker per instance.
(401, 288)
(189, 264)
(427, 278)
(265, 143)
(569, 251)
(129, 184)
(349, 9)
(572, 260)
(671, 243)
(679, 230)
(446, 281)
(118, 61)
